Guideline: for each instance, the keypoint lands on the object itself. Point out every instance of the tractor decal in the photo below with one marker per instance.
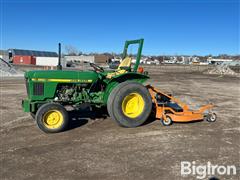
(62, 80)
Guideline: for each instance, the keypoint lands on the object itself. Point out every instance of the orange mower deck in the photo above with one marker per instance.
(180, 113)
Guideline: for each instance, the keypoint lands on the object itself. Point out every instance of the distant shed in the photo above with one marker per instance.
(101, 59)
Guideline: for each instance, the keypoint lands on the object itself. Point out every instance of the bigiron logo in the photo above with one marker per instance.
(201, 171)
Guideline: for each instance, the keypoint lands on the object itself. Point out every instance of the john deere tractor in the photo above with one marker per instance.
(49, 91)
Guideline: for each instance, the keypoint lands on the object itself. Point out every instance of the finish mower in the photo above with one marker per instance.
(128, 101)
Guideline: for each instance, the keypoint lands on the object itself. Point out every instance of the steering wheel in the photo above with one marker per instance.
(96, 67)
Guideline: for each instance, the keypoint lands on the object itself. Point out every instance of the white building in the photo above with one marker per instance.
(47, 61)
(81, 58)
(218, 61)
(87, 58)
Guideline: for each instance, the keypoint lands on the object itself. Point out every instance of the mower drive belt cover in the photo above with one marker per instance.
(174, 106)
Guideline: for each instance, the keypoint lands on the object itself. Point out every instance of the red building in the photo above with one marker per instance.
(24, 60)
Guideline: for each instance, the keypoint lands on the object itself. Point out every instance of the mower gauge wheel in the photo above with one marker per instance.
(212, 117)
(168, 121)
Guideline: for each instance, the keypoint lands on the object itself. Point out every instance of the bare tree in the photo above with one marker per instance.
(71, 50)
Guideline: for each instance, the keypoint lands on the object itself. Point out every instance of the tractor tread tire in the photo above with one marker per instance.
(115, 101)
(111, 99)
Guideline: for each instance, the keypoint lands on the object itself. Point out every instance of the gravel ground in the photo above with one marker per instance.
(96, 148)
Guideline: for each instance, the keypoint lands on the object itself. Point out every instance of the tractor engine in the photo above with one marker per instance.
(71, 92)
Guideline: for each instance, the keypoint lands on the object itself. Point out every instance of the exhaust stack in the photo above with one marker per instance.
(59, 66)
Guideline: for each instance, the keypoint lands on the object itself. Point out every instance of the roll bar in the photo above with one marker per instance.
(139, 53)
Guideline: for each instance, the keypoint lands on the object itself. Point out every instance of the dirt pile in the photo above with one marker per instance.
(7, 69)
(223, 69)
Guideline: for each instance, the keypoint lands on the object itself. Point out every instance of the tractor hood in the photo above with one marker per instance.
(63, 76)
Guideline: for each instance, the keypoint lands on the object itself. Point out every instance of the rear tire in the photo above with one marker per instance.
(52, 118)
(129, 104)
(112, 97)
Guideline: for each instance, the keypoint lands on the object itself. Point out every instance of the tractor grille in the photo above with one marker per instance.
(38, 89)
(27, 86)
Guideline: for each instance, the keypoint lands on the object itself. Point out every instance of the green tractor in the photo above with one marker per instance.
(127, 100)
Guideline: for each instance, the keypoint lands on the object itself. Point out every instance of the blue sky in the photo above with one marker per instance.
(168, 27)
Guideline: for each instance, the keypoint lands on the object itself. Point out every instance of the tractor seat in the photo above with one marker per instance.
(122, 68)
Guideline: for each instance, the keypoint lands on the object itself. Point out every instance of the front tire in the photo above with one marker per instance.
(52, 118)
(130, 104)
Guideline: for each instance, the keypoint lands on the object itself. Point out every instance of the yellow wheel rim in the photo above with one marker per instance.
(53, 119)
(133, 105)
